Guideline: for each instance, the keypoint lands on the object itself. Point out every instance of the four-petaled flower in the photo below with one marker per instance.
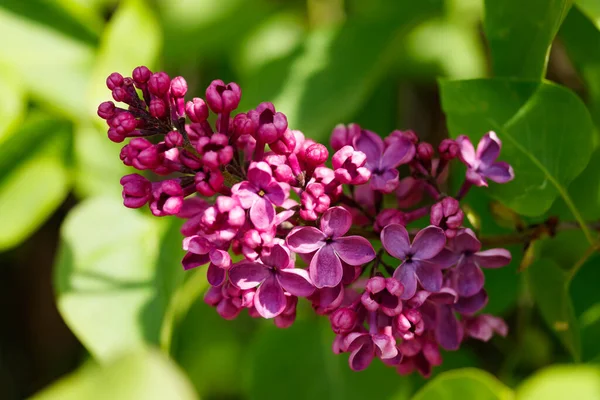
(482, 165)
(274, 276)
(331, 247)
(420, 261)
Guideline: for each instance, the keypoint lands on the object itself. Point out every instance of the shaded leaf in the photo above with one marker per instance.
(468, 383)
(545, 129)
(520, 34)
(550, 288)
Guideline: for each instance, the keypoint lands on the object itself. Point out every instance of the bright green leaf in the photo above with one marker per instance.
(520, 34)
(545, 129)
(12, 103)
(53, 67)
(469, 383)
(550, 288)
(34, 177)
(562, 382)
(131, 38)
(113, 285)
(144, 375)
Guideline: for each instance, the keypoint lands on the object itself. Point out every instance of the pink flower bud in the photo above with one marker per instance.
(157, 108)
(106, 110)
(448, 149)
(114, 80)
(316, 155)
(343, 320)
(196, 110)
(141, 75)
(222, 98)
(425, 151)
(159, 84)
(178, 87)
(174, 139)
(136, 190)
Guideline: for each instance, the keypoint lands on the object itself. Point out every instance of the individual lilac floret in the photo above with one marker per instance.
(137, 190)
(331, 247)
(275, 274)
(260, 193)
(383, 294)
(483, 327)
(447, 215)
(467, 277)
(348, 165)
(482, 165)
(383, 160)
(420, 261)
(363, 347)
(223, 98)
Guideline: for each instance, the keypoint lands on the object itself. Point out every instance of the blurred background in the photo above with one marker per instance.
(84, 280)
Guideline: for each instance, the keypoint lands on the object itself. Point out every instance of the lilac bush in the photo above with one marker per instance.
(343, 235)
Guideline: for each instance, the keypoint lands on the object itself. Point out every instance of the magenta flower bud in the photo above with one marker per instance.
(314, 201)
(196, 110)
(209, 182)
(157, 108)
(316, 155)
(141, 75)
(114, 80)
(178, 87)
(409, 324)
(167, 198)
(343, 320)
(137, 190)
(383, 294)
(223, 98)
(174, 139)
(141, 154)
(115, 136)
(285, 144)
(106, 110)
(121, 94)
(448, 149)
(159, 84)
(244, 125)
(189, 160)
(215, 150)
(447, 215)
(123, 123)
(270, 124)
(389, 216)
(283, 173)
(425, 151)
(403, 135)
(343, 135)
(348, 166)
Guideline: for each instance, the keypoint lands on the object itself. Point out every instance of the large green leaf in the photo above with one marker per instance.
(52, 66)
(143, 375)
(12, 102)
(305, 349)
(131, 38)
(562, 382)
(114, 276)
(550, 288)
(520, 34)
(591, 8)
(468, 383)
(337, 68)
(545, 129)
(34, 176)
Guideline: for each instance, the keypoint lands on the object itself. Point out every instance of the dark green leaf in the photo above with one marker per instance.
(545, 129)
(520, 34)
(469, 383)
(550, 288)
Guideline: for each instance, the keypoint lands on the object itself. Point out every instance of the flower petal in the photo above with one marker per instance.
(448, 331)
(260, 174)
(395, 240)
(405, 273)
(385, 182)
(466, 241)
(275, 193)
(296, 281)
(361, 357)
(277, 257)
(336, 221)
(429, 275)
(247, 275)
(488, 149)
(305, 239)
(428, 243)
(470, 305)
(467, 151)
(245, 192)
(191, 260)
(385, 345)
(325, 268)
(269, 299)
(400, 151)
(499, 172)
(468, 279)
(354, 250)
(262, 214)
(371, 144)
(492, 258)
(215, 275)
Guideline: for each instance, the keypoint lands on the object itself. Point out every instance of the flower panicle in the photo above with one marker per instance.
(275, 217)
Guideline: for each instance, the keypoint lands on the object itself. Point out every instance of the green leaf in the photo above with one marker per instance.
(305, 348)
(144, 375)
(61, 79)
(545, 129)
(591, 8)
(114, 276)
(562, 382)
(520, 34)
(12, 103)
(327, 81)
(549, 285)
(34, 176)
(131, 38)
(468, 383)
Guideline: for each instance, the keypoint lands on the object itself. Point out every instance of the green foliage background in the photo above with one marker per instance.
(529, 70)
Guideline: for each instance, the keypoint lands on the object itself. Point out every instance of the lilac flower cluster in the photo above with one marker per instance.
(250, 187)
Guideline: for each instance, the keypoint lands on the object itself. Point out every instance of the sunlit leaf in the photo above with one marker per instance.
(562, 382)
(466, 383)
(12, 103)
